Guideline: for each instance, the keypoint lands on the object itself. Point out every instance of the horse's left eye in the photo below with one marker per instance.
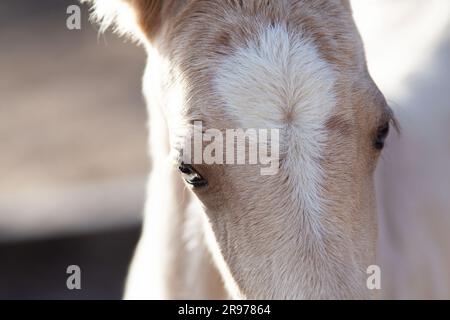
(191, 176)
(382, 134)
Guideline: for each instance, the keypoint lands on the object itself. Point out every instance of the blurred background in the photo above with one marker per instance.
(73, 158)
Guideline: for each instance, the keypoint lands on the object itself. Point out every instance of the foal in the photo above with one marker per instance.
(218, 230)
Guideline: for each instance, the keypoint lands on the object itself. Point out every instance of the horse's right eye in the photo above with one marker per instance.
(191, 176)
(381, 136)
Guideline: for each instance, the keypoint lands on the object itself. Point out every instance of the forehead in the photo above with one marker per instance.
(277, 79)
(272, 56)
(220, 26)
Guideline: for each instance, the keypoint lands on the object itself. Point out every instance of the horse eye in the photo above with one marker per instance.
(191, 176)
(382, 134)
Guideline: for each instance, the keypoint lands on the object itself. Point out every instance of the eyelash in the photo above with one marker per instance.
(381, 136)
(191, 176)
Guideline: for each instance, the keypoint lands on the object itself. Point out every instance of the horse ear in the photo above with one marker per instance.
(137, 19)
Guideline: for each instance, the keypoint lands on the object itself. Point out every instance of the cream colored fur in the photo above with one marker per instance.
(308, 232)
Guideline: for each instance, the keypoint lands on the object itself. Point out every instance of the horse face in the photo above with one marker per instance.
(302, 224)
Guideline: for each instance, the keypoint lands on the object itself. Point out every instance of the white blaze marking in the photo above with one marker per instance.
(280, 81)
